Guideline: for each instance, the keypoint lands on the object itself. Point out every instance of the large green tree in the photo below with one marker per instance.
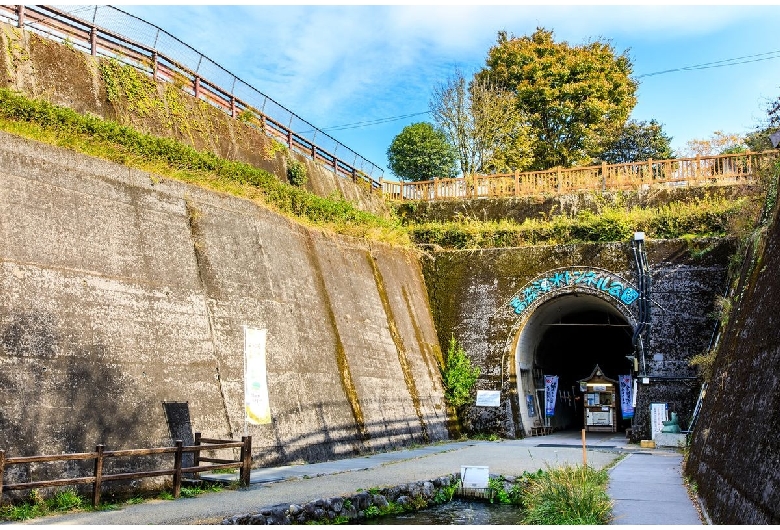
(422, 152)
(484, 124)
(576, 98)
(639, 140)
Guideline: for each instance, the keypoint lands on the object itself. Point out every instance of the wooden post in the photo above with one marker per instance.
(435, 188)
(197, 87)
(20, 16)
(603, 176)
(233, 107)
(650, 169)
(154, 65)
(93, 40)
(354, 174)
(517, 182)
(335, 165)
(246, 460)
(196, 454)
(2, 470)
(289, 139)
(98, 475)
(584, 453)
(177, 470)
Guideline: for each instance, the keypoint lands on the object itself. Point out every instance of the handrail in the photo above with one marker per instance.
(244, 463)
(676, 172)
(65, 24)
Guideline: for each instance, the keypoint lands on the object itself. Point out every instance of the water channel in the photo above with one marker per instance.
(459, 511)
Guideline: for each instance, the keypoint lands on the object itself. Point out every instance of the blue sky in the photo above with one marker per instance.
(343, 65)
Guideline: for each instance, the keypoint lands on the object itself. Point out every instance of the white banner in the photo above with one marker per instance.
(488, 398)
(256, 403)
(550, 394)
(658, 415)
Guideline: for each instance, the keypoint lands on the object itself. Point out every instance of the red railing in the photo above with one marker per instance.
(165, 58)
(679, 172)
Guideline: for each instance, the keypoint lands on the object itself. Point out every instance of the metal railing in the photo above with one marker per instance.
(101, 31)
(679, 172)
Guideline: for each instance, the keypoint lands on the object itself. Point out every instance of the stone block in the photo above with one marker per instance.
(669, 439)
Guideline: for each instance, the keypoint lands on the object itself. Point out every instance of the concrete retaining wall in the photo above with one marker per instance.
(119, 292)
(41, 68)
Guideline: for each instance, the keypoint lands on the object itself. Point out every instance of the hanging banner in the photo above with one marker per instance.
(550, 394)
(258, 408)
(626, 396)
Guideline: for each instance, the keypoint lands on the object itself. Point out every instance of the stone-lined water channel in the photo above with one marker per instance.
(457, 512)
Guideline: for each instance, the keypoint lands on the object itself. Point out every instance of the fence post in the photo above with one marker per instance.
(197, 87)
(177, 470)
(289, 138)
(246, 460)
(233, 107)
(517, 182)
(196, 454)
(93, 40)
(98, 475)
(336, 165)
(603, 176)
(697, 170)
(2, 470)
(20, 16)
(154, 65)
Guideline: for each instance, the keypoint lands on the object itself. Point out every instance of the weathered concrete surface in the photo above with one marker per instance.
(735, 450)
(41, 68)
(468, 290)
(118, 292)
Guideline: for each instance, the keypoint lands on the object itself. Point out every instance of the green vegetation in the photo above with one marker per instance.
(458, 375)
(567, 495)
(639, 140)
(706, 217)
(576, 98)
(421, 152)
(296, 173)
(168, 158)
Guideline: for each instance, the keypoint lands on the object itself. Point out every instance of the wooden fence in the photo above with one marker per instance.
(679, 172)
(99, 455)
(90, 38)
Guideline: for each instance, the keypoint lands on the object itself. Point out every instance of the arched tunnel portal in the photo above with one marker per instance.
(568, 336)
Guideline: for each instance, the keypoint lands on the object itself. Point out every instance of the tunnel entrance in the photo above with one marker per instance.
(569, 336)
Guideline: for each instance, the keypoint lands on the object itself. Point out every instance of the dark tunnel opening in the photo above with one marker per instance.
(572, 347)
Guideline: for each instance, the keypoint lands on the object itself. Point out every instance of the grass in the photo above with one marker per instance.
(701, 218)
(41, 121)
(568, 495)
(68, 500)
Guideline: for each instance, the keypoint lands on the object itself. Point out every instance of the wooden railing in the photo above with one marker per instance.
(678, 172)
(254, 108)
(99, 455)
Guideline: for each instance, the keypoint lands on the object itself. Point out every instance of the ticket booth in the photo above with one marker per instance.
(598, 402)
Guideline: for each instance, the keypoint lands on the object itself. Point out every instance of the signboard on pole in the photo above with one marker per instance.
(256, 403)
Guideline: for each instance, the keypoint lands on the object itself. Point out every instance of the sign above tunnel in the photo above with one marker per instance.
(573, 279)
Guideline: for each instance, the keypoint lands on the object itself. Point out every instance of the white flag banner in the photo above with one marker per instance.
(257, 405)
(550, 394)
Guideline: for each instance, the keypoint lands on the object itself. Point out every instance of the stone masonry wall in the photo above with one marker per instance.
(735, 451)
(119, 292)
(469, 287)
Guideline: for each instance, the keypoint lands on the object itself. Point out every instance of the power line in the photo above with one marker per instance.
(718, 64)
(378, 121)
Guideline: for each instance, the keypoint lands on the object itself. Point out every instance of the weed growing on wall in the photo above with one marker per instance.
(296, 172)
(169, 158)
(458, 375)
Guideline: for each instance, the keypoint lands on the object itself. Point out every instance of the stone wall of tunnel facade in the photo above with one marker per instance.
(470, 289)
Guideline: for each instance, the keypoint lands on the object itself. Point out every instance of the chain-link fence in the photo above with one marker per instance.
(110, 32)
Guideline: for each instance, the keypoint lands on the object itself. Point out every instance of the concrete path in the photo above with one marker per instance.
(302, 483)
(647, 488)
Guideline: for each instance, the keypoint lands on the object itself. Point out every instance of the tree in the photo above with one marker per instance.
(719, 143)
(576, 98)
(484, 124)
(639, 140)
(422, 152)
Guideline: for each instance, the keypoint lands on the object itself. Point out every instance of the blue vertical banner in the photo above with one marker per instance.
(550, 394)
(626, 401)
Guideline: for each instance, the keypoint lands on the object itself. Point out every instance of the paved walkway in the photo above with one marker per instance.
(303, 483)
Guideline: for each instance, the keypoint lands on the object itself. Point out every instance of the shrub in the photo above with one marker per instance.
(458, 375)
(296, 173)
